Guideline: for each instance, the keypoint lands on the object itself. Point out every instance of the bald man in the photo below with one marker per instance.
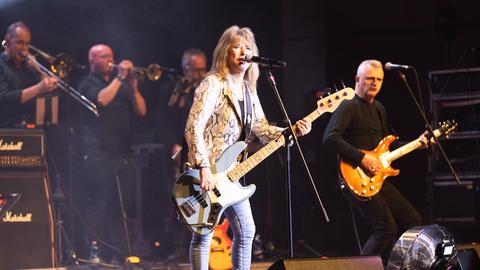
(108, 141)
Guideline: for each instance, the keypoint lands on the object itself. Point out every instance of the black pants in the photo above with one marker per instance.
(389, 214)
(103, 207)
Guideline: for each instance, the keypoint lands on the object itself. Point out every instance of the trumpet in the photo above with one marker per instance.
(153, 72)
(62, 84)
(61, 64)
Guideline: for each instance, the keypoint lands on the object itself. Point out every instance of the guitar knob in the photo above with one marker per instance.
(372, 188)
(364, 184)
(364, 191)
(372, 180)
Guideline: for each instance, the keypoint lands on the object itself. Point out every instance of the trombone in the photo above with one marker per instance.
(62, 84)
(61, 64)
(153, 72)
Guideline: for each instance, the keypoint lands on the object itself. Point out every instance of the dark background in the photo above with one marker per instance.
(322, 42)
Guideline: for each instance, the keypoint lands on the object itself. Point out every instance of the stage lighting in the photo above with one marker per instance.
(423, 247)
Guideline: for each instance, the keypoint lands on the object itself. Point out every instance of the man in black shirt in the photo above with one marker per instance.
(20, 84)
(194, 67)
(361, 123)
(108, 139)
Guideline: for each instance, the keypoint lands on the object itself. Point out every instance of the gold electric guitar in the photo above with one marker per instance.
(364, 186)
(221, 248)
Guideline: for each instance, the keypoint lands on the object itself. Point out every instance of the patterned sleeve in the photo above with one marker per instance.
(261, 128)
(206, 96)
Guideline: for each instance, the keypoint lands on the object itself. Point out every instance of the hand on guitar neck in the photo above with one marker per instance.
(302, 127)
(207, 179)
(371, 164)
(367, 179)
(423, 139)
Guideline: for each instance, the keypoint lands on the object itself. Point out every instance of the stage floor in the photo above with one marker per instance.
(181, 266)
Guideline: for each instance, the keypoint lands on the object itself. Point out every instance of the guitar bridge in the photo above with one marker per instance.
(202, 225)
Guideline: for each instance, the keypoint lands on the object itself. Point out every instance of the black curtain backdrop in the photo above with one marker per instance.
(430, 35)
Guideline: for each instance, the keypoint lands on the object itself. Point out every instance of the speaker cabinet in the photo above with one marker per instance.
(26, 221)
(468, 259)
(344, 263)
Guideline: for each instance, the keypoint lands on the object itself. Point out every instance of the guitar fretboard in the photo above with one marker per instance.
(409, 147)
(244, 167)
(327, 104)
(401, 151)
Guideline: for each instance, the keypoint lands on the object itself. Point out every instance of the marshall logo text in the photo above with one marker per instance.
(9, 217)
(6, 146)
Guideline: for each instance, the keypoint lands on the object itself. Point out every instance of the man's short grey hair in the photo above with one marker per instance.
(368, 63)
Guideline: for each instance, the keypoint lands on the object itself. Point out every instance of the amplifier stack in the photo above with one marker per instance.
(26, 214)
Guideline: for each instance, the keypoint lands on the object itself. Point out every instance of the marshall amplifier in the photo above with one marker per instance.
(21, 148)
(26, 220)
(26, 215)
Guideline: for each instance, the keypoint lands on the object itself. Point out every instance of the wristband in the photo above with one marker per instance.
(120, 77)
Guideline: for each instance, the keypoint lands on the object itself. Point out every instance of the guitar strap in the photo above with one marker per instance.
(248, 108)
(247, 125)
(381, 114)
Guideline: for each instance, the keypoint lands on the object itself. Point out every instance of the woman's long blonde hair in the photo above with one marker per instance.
(220, 55)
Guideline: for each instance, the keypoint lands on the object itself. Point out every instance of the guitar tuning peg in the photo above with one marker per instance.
(327, 91)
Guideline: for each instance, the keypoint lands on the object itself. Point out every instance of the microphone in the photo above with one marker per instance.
(265, 62)
(391, 67)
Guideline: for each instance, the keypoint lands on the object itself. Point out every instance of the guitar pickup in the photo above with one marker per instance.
(217, 192)
(188, 209)
(201, 200)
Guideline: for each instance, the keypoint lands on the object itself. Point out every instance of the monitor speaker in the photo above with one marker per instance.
(344, 263)
(26, 221)
(468, 259)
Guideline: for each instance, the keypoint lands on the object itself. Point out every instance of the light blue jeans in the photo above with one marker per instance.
(243, 228)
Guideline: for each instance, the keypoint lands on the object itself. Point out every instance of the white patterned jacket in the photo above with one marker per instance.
(215, 121)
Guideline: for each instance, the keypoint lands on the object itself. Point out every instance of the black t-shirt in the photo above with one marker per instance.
(111, 132)
(12, 81)
(356, 124)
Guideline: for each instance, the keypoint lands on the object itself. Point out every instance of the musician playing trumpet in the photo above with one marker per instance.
(20, 84)
(108, 141)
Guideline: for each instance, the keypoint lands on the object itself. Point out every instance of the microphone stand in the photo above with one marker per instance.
(430, 131)
(271, 80)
